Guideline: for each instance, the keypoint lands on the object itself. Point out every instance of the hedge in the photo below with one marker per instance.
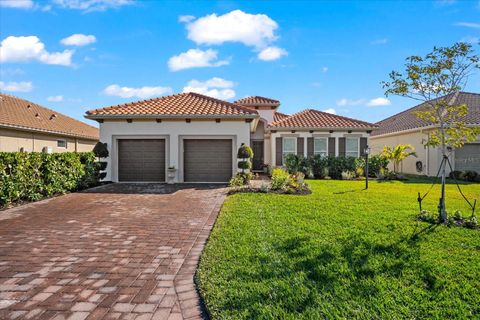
(33, 176)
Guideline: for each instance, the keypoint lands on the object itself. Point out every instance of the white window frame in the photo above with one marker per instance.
(322, 153)
(356, 151)
(285, 153)
(62, 140)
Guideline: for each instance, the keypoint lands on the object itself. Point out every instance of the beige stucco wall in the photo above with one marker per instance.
(14, 140)
(429, 156)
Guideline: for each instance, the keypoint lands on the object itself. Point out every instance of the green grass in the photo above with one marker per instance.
(341, 252)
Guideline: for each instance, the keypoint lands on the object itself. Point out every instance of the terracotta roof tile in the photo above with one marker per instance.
(258, 101)
(22, 114)
(277, 116)
(183, 104)
(407, 119)
(310, 118)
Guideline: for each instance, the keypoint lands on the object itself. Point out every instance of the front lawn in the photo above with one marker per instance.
(341, 252)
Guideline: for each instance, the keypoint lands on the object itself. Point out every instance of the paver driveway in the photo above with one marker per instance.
(118, 252)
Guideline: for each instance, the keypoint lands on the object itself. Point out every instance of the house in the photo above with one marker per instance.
(27, 126)
(406, 128)
(200, 135)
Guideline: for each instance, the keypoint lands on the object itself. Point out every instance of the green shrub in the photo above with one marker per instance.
(244, 165)
(296, 163)
(240, 179)
(455, 174)
(100, 150)
(280, 179)
(376, 165)
(469, 175)
(245, 152)
(33, 176)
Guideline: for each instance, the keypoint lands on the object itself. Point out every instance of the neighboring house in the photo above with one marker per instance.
(406, 128)
(27, 126)
(200, 135)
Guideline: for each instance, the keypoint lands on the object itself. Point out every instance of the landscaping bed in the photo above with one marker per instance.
(341, 252)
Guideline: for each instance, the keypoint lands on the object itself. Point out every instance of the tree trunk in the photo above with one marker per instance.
(442, 212)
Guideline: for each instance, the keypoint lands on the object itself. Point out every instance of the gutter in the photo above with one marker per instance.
(59, 133)
(388, 134)
(163, 116)
(321, 128)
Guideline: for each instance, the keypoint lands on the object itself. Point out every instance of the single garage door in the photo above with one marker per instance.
(207, 160)
(468, 157)
(141, 160)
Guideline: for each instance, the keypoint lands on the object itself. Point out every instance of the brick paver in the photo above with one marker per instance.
(121, 251)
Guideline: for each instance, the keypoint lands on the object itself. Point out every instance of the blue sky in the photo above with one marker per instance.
(74, 55)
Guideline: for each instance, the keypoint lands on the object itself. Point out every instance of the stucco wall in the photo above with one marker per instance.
(14, 140)
(173, 132)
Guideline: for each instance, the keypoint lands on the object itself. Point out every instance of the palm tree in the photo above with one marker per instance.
(398, 154)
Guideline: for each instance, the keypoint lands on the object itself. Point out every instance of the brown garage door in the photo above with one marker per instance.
(141, 160)
(468, 157)
(207, 160)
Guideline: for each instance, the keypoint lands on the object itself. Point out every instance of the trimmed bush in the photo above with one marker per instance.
(245, 152)
(33, 176)
(100, 150)
(244, 165)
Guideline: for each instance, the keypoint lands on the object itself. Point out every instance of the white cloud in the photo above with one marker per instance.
(186, 18)
(215, 87)
(55, 98)
(272, 53)
(349, 102)
(91, 5)
(330, 110)
(19, 4)
(142, 93)
(379, 41)
(195, 58)
(16, 86)
(380, 101)
(78, 40)
(30, 48)
(468, 25)
(254, 30)
(11, 72)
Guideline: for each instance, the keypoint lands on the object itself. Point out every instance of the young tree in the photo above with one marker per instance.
(398, 154)
(436, 80)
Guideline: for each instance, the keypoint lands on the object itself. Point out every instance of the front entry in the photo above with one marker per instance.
(257, 147)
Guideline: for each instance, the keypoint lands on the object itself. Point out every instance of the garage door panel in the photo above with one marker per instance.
(468, 157)
(141, 160)
(207, 160)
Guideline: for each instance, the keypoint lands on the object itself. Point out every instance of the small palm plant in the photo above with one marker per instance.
(398, 153)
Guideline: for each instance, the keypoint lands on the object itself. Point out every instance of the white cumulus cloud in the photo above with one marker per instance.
(272, 53)
(257, 30)
(380, 101)
(186, 18)
(30, 48)
(195, 58)
(350, 102)
(142, 92)
(92, 5)
(20, 4)
(23, 86)
(330, 110)
(215, 87)
(473, 25)
(55, 98)
(78, 40)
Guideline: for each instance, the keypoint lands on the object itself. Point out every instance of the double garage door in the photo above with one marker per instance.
(204, 160)
(468, 157)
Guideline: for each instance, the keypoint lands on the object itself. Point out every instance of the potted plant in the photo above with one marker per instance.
(266, 168)
(171, 173)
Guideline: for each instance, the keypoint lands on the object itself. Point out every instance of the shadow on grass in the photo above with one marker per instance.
(301, 273)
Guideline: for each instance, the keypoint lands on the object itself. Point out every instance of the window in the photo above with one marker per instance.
(62, 143)
(320, 147)
(289, 146)
(352, 147)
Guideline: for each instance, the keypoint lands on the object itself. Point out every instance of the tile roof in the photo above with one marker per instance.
(183, 104)
(258, 101)
(277, 116)
(22, 114)
(310, 118)
(407, 119)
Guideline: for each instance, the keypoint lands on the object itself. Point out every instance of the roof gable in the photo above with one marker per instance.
(23, 114)
(311, 118)
(183, 104)
(258, 101)
(407, 120)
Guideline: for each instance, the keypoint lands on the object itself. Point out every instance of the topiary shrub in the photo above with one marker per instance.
(100, 150)
(244, 165)
(245, 152)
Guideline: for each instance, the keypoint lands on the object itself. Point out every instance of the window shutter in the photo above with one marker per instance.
(341, 147)
(309, 147)
(300, 147)
(278, 151)
(331, 147)
(363, 145)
